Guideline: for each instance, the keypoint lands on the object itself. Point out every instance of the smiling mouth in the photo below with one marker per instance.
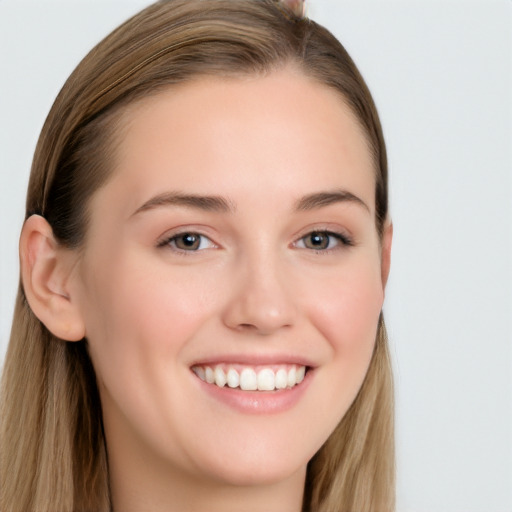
(251, 378)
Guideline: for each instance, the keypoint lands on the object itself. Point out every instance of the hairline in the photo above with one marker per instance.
(117, 117)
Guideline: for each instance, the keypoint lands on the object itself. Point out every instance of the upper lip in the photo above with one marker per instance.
(254, 360)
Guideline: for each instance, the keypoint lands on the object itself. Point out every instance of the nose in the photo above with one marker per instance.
(262, 302)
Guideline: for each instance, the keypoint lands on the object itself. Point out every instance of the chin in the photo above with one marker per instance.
(256, 463)
(250, 474)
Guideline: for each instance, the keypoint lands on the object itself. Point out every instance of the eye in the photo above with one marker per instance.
(187, 241)
(322, 240)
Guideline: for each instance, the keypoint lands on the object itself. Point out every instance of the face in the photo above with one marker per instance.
(230, 283)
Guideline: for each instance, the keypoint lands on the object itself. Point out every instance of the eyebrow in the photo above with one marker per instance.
(220, 204)
(322, 199)
(199, 202)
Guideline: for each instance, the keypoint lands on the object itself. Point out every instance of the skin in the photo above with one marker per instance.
(254, 289)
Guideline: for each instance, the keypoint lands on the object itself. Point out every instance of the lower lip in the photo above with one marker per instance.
(258, 402)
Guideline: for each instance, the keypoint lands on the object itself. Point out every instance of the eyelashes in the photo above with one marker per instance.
(318, 241)
(188, 241)
(321, 241)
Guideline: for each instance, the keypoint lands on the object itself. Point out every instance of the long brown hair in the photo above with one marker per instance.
(52, 448)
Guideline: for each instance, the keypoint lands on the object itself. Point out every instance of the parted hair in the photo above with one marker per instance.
(52, 447)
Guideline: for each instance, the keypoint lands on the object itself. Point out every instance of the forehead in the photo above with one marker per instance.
(283, 129)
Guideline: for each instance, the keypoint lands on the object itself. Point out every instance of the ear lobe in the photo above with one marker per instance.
(387, 238)
(45, 271)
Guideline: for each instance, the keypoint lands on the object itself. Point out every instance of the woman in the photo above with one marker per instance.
(203, 266)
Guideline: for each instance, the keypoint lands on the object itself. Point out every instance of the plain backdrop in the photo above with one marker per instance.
(441, 75)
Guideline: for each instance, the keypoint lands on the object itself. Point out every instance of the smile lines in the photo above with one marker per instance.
(250, 379)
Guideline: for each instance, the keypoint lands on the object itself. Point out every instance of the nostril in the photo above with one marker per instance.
(261, 329)
(246, 326)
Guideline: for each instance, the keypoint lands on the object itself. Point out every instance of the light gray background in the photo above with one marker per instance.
(441, 74)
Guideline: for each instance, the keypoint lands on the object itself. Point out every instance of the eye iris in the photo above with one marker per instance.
(317, 240)
(188, 241)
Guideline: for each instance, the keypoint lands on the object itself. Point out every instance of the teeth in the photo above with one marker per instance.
(220, 377)
(281, 379)
(292, 376)
(209, 375)
(233, 378)
(199, 371)
(266, 380)
(250, 379)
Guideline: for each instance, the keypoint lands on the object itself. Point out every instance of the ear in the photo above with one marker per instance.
(387, 239)
(46, 268)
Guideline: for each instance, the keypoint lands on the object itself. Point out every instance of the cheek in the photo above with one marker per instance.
(136, 313)
(133, 290)
(139, 320)
(345, 311)
(348, 313)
